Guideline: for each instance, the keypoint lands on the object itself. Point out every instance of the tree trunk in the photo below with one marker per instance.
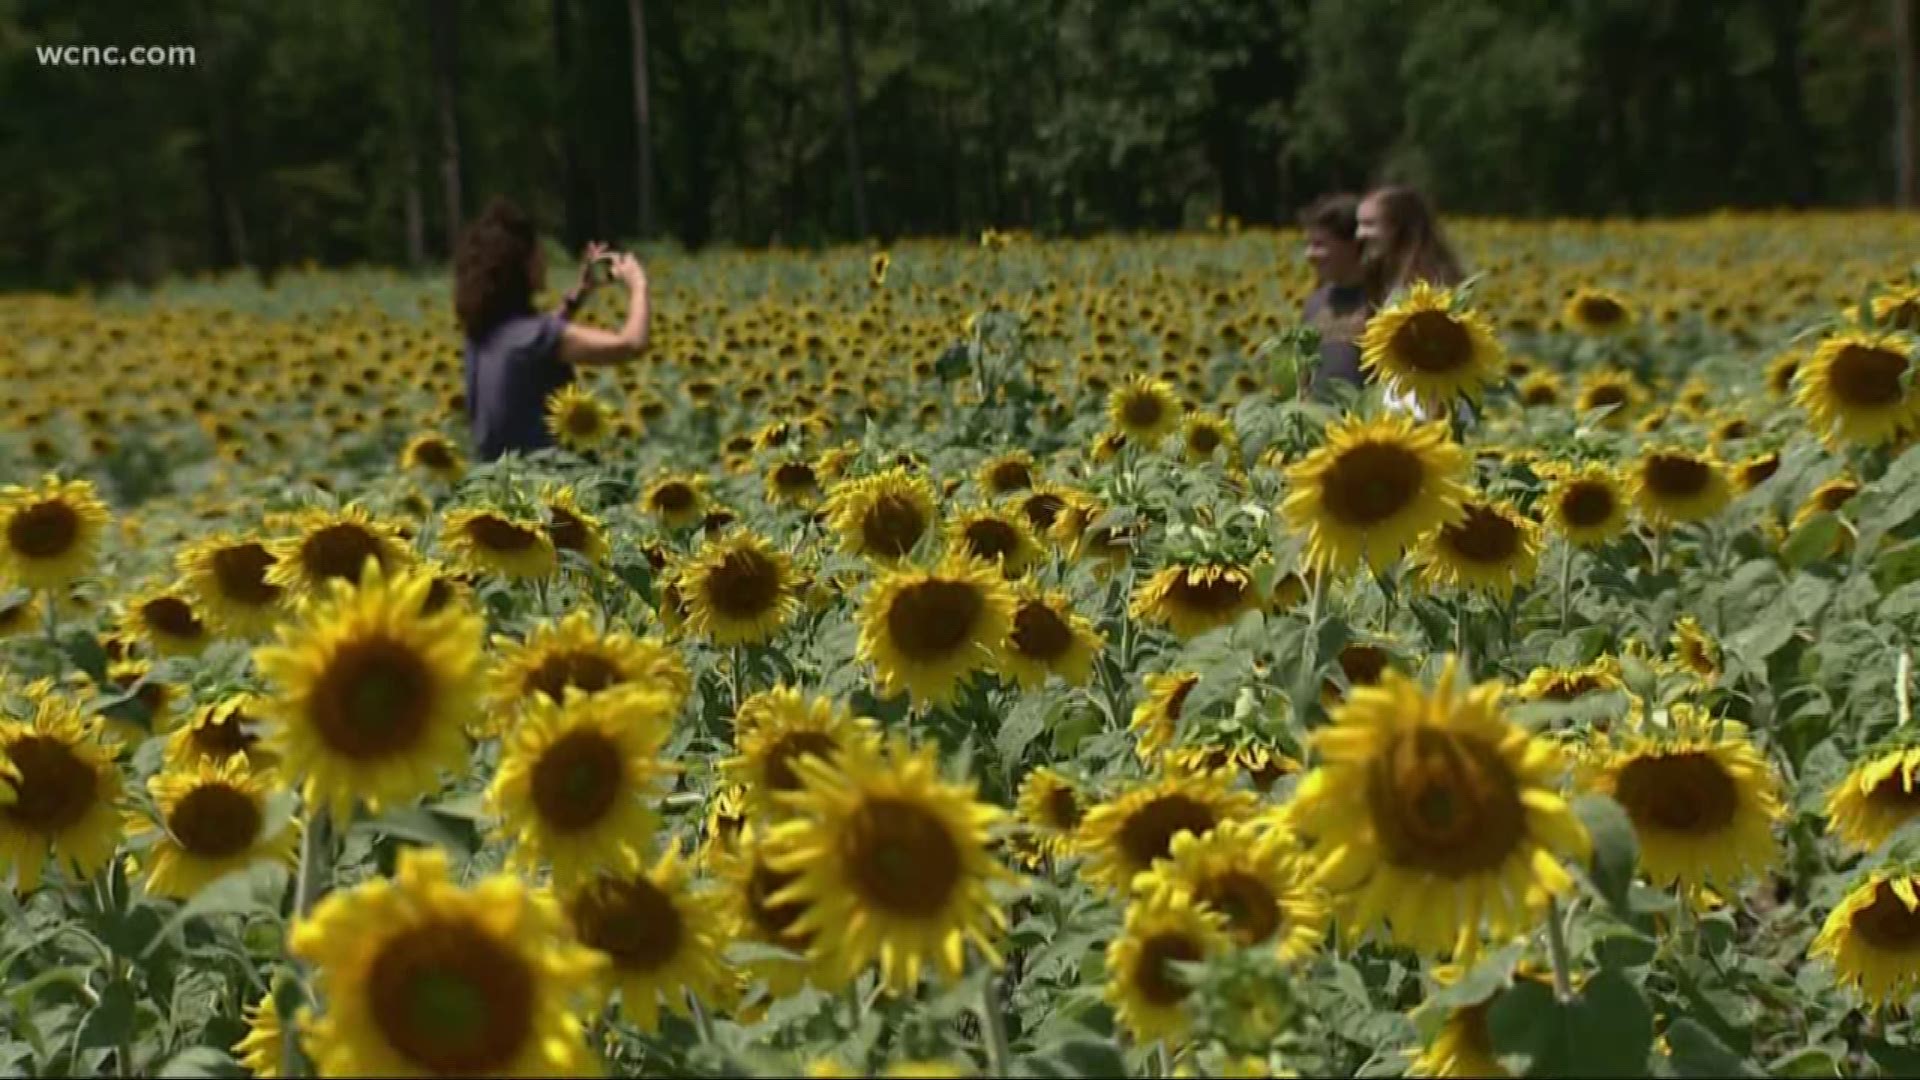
(444, 31)
(229, 226)
(574, 212)
(1906, 141)
(850, 116)
(642, 115)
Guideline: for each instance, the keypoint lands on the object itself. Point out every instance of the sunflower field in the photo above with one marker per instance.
(985, 659)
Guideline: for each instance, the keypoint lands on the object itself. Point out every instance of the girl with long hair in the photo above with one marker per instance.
(1401, 243)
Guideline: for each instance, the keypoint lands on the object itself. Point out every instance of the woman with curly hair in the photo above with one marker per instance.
(517, 357)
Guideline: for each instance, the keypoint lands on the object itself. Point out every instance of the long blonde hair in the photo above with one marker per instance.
(1417, 249)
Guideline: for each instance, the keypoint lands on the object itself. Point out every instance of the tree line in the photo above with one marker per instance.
(363, 131)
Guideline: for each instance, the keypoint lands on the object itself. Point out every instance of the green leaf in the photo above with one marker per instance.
(1813, 540)
(237, 893)
(201, 1061)
(1092, 1058)
(1697, 1051)
(1606, 1031)
(1616, 849)
(421, 825)
(110, 1023)
(1021, 727)
(87, 654)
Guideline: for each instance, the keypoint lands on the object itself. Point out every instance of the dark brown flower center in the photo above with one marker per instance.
(991, 539)
(373, 699)
(902, 858)
(1445, 804)
(783, 755)
(891, 526)
(586, 671)
(1485, 536)
(1141, 410)
(1587, 504)
(215, 821)
(1688, 792)
(1372, 482)
(434, 454)
(1010, 475)
(497, 534)
(578, 780)
(1600, 311)
(241, 571)
(745, 585)
(775, 920)
(568, 531)
(631, 920)
(452, 999)
(1887, 923)
(1146, 836)
(1432, 342)
(1062, 808)
(931, 620)
(1249, 906)
(173, 617)
(1042, 509)
(340, 552)
(45, 530)
(56, 786)
(1677, 476)
(1866, 377)
(1039, 633)
(1154, 975)
(673, 497)
(1203, 439)
(795, 477)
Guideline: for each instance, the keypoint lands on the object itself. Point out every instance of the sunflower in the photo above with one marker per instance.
(660, 936)
(1674, 486)
(994, 536)
(485, 541)
(166, 620)
(1828, 498)
(434, 455)
(1694, 650)
(423, 977)
(1144, 411)
(1702, 798)
(1597, 312)
(1005, 474)
(1756, 470)
(775, 729)
(1049, 638)
(738, 591)
(1873, 938)
(1586, 504)
(1262, 766)
(218, 731)
(726, 816)
(1206, 437)
(1493, 548)
(155, 694)
(1463, 1045)
(63, 784)
(1049, 806)
(1613, 390)
(371, 697)
(1898, 308)
(1191, 600)
(263, 1048)
(1876, 798)
(877, 267)
(763, 915)
(1783, 371)
(51, 533)
(212, 818)
(573, 655)
(577, 779)
(1430, 349)
(227, 576)
(1127, 834)
(883, 516)
(1248, 874)
(1571, 684)
(333, 545)
(1374, 489)
(925, 631)
(578, 420)
(793, 482)
(1541, 389)
(1156, 721)
(891, 863)
(1161, 930)
(678, 500)
(1854, 388)
(570, 527)
(1432, 813)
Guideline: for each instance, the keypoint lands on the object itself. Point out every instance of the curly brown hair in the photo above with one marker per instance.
(492, 268)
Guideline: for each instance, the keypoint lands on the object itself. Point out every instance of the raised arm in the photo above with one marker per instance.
(587, 346)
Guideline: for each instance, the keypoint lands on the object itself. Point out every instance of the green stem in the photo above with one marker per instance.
(1310, 650)
(315, 847)
(1557, 952)
(701, 1022)
(999, 1054)
(1566, 587)
(52, 618)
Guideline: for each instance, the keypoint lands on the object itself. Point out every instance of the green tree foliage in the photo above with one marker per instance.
(312, 132)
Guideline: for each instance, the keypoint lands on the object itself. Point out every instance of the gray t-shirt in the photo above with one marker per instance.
(1340, 313)
(511, 371)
